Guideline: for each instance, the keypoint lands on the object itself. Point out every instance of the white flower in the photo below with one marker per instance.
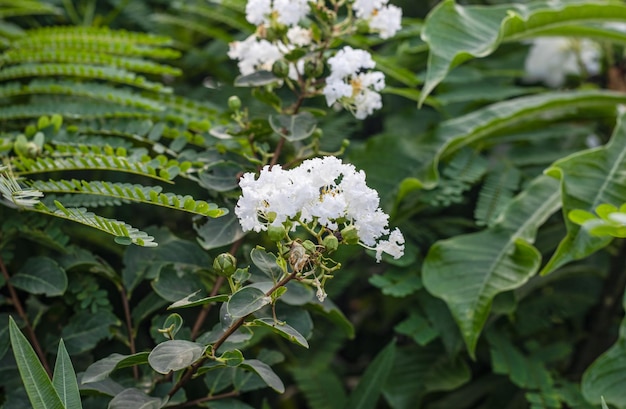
(365, 8)
(386, 21)
(394, 246)
(254, 54)
(287, 12)
(551, 59)
(321, 191)
(299, 36)
(352, 88)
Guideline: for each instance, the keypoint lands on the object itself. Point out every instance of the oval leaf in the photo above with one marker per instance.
(266, 373)
(41, 275)
(246, 301)
(284, 330)
(174, 355)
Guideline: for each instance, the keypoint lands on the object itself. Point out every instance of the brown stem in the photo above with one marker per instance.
(216, 288)
(602, 316)
(276, 154)
(206, 399)
(129, 328)
(20, 311)
(230, 331)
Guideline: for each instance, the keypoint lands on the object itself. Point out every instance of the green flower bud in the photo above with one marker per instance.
(280, 68)
(225, 264)
(313, 68)
(350, 235)
(234, 103)
(276, 233)
(331, 243)
(309, 246)
(317, 133)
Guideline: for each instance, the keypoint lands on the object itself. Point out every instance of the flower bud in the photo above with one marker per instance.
(313, 68)
(280, 68)
(234, 103)
(225, 264)
(331, 243)
(350, 235)
(309, 246)
(276, 233)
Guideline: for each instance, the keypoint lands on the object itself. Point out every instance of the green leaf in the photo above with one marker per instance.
(283, 329)
(493, 120)
(232, 358)
(39, 388)
(64, 380)
(604, 406)
(468, 271)
(41, 275)
(85, 330)
(266, 262)
(256, 79)
(607, 376)
(192, 300)
(174, 283)
(265, 372)
(101, 369)
(173, 323)
(246, 301)
(458, 33)
(397, 282)
(219, 232)
(293, 127)
(367, 392)
(132, 398)
(174, 355)
(588, 179)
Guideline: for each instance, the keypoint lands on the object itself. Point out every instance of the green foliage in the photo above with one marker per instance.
(128, 120)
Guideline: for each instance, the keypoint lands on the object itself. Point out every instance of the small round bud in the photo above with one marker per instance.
(317, 133)
(313, 68)
(225, 264)
(234, 103)
(32, 150)
(309, 246)
(276, 233)
(350, 235)
(331, 243)
(280, 68)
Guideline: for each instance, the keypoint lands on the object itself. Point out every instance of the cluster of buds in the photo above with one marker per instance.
(293, 39)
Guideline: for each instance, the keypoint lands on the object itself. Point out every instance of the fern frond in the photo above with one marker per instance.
(130, 192)
(95, 91)
(75, 56)
(92, 35)
(10, 8)
(92, 72)
(124, 233)
(9, 31)
(154, 169)
(88, 201)
(231, 18)
(186, 106)
(496, 192)
(71, 110)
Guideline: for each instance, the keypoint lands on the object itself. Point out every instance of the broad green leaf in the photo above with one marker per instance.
(266, 262)
(132, 398)
(41, 392)
(41, 275)
(369, 389)
(106, 386)
(101, 369)
(589, 178)
(497, 119)
(232, 358)
(256, 79)
(604, 406)
(458, 33)
(265, 372)
(468, 271)
(419, 370)
(293, 127)
(64, 379)
(192, 300)
(85, 330)
(606, 377)
(176, 281)
(173, 323)
(246, 301)
(174, 355)
(283, 329)
(219, 232)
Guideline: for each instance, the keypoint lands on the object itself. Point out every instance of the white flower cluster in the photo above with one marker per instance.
(350, 86)
(321, 192)
(382, 18)
(551, 59)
